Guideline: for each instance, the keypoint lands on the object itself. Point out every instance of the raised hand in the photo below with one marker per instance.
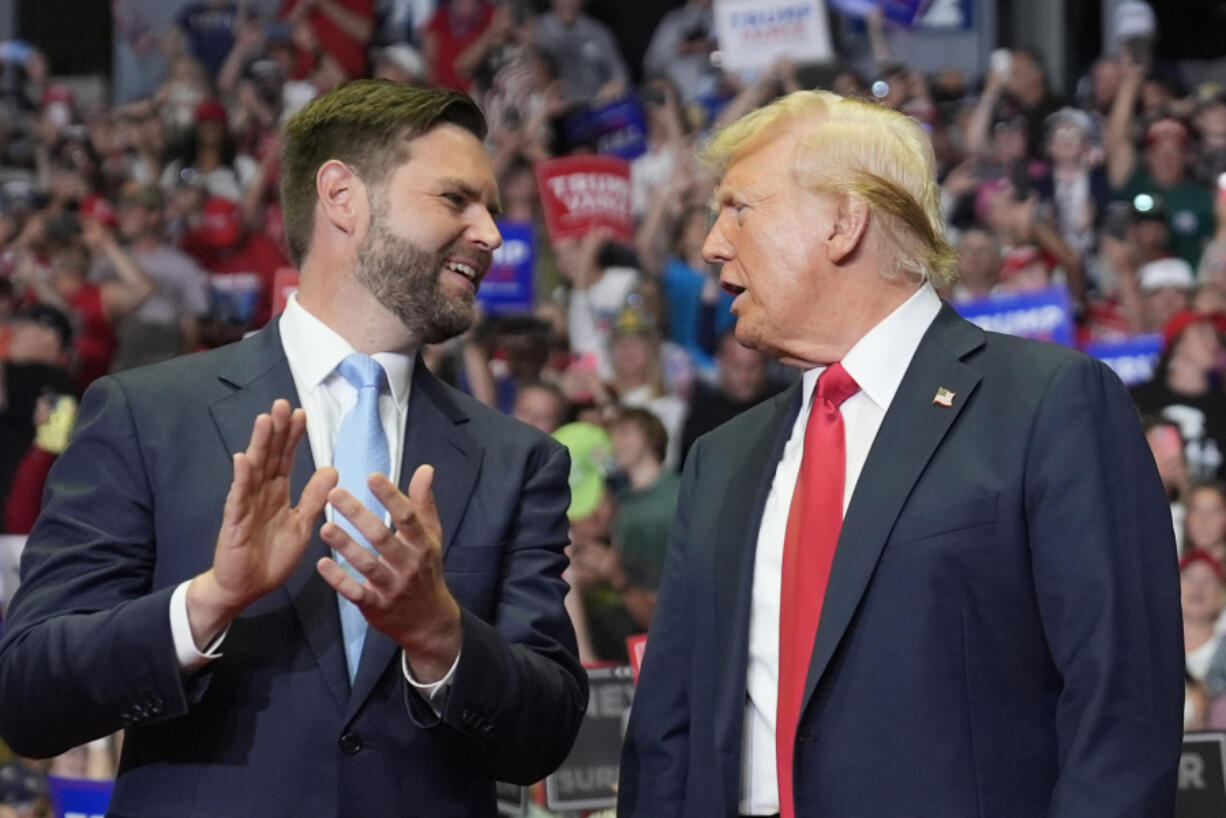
(404, 594)
(262, 536)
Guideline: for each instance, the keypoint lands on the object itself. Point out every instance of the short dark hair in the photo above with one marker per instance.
(651, 427)
(367, 124)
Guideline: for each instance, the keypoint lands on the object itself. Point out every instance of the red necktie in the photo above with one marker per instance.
(814, 520)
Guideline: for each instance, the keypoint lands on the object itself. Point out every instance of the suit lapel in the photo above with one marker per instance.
(909, 435)
(434, 435)
(260, 375)
(733, 552)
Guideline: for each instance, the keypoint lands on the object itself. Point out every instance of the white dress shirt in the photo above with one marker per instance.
(313, 350)
(877, 363)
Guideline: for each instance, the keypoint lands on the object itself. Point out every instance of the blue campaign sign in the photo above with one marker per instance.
(617, 129)
(508, 286)
(1042, 314)
(79, 798)
(1132, 358)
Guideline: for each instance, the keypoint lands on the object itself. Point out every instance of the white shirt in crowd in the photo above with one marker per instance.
(313, 350)
(877, 363)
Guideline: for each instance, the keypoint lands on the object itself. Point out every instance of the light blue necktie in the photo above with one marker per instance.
(361, 450)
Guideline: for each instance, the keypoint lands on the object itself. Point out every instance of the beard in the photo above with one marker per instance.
(404, 278)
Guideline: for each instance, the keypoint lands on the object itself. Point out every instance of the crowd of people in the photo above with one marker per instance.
(134, 233)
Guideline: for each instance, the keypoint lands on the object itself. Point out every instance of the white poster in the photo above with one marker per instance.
(754, 33)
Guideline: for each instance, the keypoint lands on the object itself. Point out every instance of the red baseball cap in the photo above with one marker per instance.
(210, 110)
(1166, 128)
(1186, 318)
(99, 208)
(220, 222)
(1201, 555)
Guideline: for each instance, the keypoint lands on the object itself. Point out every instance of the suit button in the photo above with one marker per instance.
(351, 743)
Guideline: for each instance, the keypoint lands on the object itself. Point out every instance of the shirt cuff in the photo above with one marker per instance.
(433, 692)
(190, 659)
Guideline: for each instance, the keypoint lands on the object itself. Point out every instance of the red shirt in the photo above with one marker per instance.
(95, 340)
(333, 40)
(452, 34)
(240, 283)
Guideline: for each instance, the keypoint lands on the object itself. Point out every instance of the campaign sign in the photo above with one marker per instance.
(1202, 776)
(587, 778)
(753, 34)
(903, 12)
(79, 798)
(1043, 314)
(636, 646)
(617, 129)
(1133, 358)
(284, 284)
(507, 287)
(582, 192)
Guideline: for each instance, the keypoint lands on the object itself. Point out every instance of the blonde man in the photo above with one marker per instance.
(935, 577)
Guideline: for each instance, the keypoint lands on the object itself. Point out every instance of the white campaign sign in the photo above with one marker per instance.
(754, 33)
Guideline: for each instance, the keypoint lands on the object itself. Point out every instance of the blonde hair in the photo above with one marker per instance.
(847, 146)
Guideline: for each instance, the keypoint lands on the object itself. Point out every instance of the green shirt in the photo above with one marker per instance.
(1189, 213)
(641, 529)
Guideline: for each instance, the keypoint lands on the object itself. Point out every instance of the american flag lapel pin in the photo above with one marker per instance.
(944, 398)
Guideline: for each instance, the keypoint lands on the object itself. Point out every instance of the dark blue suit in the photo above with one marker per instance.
(272, 728)
(1001, 637)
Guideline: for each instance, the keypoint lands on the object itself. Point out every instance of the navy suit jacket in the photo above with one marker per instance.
(1001, 636)
(273, 728)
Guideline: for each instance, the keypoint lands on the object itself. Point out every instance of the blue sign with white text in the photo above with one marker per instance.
(79, 798)
(1132, 358)
(508, 287)
(617, 129)
(1045, 315)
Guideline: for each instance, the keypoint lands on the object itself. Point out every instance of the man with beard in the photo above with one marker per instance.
(279, 636)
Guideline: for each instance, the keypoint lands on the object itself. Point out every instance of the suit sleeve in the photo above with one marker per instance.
(1108, 589)
(655, 755)
(88, 647)
(519, 693)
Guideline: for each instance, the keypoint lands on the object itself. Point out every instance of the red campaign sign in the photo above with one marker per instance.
(636, 646)
(579, 193)
(284, 284)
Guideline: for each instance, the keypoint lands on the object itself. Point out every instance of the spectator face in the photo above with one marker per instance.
(1211, 125)
(519, 196)
(1201, 594)
(979, 260)
(1198, 345)
(1025, 77)
(32, 342)
(429, 223)
(539, 408)
(1206, 521)
(567, 10)
(629, 445)
(1105, 82)
(742, 371)
(1167, 448)
(1150, 237)
(1067, 146)
(1166, 160)
(135, 221)
(633, 355)
(1162, 303)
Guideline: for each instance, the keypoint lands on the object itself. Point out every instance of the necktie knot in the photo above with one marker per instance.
(362, 372)
(834, 385)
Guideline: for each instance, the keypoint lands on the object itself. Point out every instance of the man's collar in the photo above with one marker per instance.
(314, 350)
